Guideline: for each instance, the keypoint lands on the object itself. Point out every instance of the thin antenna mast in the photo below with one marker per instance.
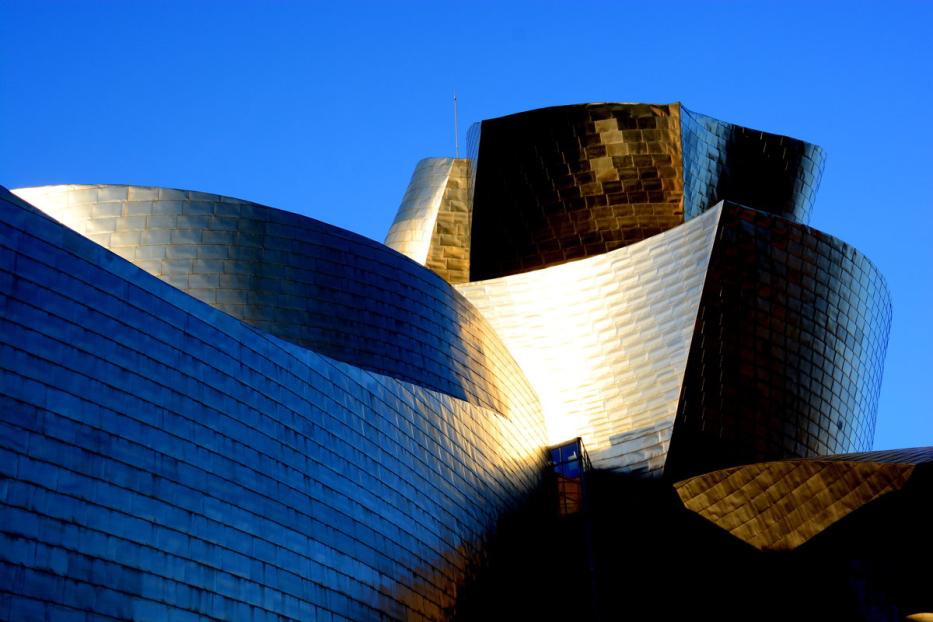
(456, 128)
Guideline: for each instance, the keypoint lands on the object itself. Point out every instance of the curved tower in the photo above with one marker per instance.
(652, 271)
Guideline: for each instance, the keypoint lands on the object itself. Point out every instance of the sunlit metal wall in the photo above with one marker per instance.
(604, 340)
(804, 496)
(302, 280)
(449, 254)
(413, 227)
(162, 460)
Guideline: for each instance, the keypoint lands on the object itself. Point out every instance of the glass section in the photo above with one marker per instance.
(569, 465)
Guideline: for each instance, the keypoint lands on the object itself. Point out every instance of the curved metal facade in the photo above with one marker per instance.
(162, 459)
(297, 278)
(563, 183)
(434, 221)
(788, 352)
(604, 340)
(270, 418)
(726, 162)
(571, 184)
(413, 227)
(559, 184)
(804, 497)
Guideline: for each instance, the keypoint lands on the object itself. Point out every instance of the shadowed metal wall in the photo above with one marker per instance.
(163, 460)
(300, 279)
(726, 162)
(562, 183)
(788, 352)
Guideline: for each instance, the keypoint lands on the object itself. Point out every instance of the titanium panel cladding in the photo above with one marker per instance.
(162, 460)
(768, 172)
(411, 232)
(449, 255)
(788, 353)
(804, 496)
(604, 340)
(318, 286)
(563, 183)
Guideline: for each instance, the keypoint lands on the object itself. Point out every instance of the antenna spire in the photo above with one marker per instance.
(456, 128)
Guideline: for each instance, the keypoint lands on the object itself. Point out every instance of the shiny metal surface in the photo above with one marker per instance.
(562, 183)
(433, 223)
(449, 254)
(788, 352)
(302, 280)
(214, 409)
(781, 505)
(604, 340)
(768, 172)
(413, 227)
(558, 184)
(163, 460)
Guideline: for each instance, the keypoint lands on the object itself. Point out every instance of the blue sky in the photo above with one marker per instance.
(324, 108)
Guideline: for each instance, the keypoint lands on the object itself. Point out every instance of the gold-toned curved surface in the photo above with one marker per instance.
(411, 231)
(781, 505)
(562, 183)
(604, 340)
(548, 186)
(433, 222)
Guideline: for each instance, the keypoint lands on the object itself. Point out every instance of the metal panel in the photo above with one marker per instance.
(562, 183)
(413, 227)
(331, 290)
(789, 348)
(604, 340)
(727, 162)
(162, 460)
(781, 505)
(449, 255)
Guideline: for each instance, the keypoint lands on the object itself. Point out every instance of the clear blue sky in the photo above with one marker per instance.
(324, 108)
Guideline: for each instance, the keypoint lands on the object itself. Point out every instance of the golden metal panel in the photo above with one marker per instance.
(433, 222)
(781, 505)
(604, 340)
(449, 253)
(412, 230)
(558, 184)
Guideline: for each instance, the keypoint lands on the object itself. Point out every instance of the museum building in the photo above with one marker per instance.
(595, 359)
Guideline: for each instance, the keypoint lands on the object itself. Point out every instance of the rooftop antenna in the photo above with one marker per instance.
(456, 129)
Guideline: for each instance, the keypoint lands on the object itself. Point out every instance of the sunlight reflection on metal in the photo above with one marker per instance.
(604, 340)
